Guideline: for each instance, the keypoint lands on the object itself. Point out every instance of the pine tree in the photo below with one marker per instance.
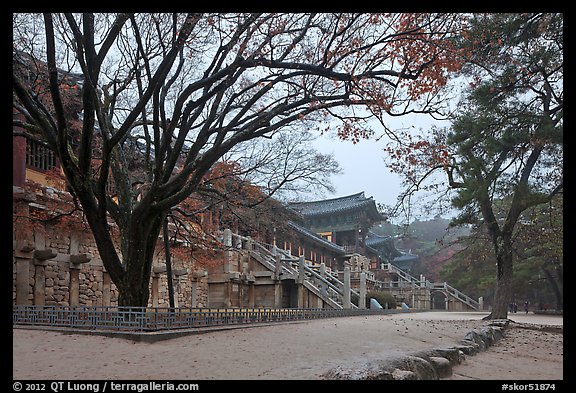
(508, 139)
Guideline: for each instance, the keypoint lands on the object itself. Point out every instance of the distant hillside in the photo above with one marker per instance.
(432, 240)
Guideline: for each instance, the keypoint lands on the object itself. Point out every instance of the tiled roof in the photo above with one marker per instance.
(376, 242)
(337, 205)
(405, 258)
(373, 239)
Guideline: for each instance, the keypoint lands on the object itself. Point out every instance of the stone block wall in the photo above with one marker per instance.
(56, 265)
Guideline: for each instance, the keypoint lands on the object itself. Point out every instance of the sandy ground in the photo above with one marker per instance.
(302, 350)
(532, 350)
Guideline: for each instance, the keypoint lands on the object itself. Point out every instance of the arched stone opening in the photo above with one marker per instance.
(438, 300)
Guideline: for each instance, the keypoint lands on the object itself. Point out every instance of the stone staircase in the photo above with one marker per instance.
(326, 285)
(444, 287)
(287, 267)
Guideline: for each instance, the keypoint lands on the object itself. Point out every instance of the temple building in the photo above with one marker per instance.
(344, 221)
(279, 256)
(340, 227)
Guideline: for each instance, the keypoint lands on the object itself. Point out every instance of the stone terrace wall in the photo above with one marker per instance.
(57, 265)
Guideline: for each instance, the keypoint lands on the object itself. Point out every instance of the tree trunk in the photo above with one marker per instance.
(168, 262)
(503, 293)
(555, 284)
(132, 294)
(143, 236)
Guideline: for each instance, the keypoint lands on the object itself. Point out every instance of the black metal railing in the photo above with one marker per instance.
(154, 319)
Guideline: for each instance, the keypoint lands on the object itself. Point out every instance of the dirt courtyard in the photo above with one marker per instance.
(298, 350)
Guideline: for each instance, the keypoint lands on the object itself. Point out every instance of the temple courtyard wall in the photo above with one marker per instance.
(57, 264)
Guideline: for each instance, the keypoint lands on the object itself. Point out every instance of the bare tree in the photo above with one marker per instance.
(193, 87)
(286, 166)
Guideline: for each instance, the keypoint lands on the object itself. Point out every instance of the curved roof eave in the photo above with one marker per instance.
(338, 205)
(316, 239)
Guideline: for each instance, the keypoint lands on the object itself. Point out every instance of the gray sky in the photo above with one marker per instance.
(363, 169)
(363, 164)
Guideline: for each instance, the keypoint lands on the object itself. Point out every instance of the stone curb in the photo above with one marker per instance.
(432, 364)
(150, 337)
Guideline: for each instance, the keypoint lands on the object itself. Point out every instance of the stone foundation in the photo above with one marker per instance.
(59, 266)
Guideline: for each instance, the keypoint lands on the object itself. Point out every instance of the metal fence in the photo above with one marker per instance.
(154, 319)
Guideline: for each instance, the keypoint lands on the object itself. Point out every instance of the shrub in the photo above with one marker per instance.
(384, 298)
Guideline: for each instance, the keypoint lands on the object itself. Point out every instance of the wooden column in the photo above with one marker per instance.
(18, 151)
